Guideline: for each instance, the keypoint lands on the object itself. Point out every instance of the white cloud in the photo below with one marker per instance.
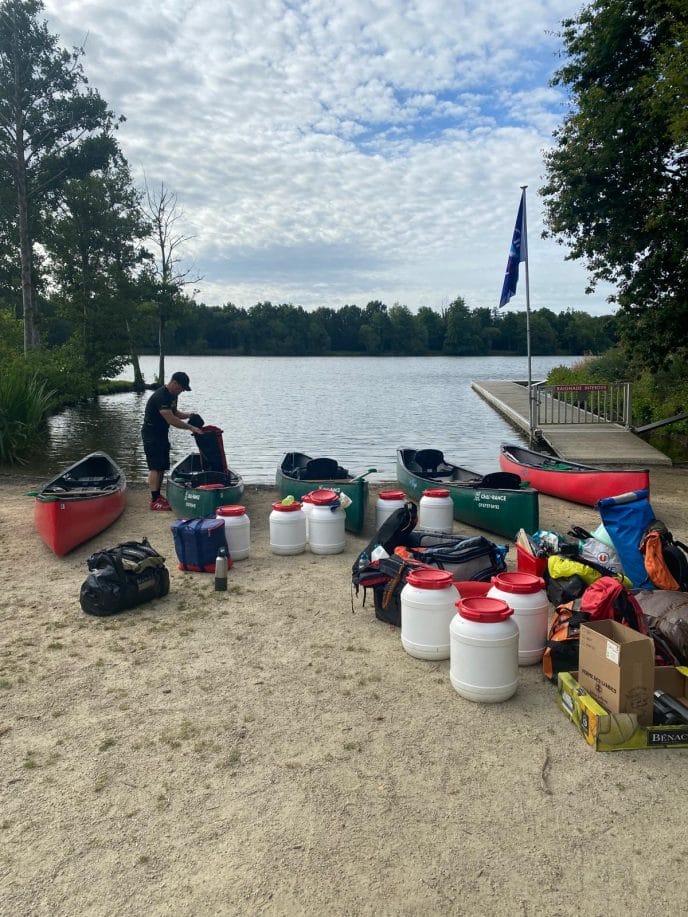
(328, 153)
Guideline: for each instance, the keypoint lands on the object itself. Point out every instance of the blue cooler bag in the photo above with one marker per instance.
(197, 543)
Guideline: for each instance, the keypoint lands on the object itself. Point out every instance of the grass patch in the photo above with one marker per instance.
(176, 737)
(232, 760)
(102, 782)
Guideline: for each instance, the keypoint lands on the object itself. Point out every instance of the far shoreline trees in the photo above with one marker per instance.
(268, 329)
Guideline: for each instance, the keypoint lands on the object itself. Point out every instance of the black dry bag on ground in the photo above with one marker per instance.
(123, 577)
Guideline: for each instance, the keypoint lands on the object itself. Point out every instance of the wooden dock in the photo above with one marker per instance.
(592, 444)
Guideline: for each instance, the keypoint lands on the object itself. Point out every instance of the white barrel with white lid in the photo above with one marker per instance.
(287, 528)
(326, 523)
(428, 602)
(436, 510)
(237, 529)
(388, 501)
(525, 594)
(483, 655)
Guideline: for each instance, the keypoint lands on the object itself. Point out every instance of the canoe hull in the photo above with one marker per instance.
(572, 481)
(194, 494)
(499, 510)
(73, 507)
(356, 490)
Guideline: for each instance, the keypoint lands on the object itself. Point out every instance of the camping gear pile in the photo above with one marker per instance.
(627, 581)
(630, 563)
(399, 547)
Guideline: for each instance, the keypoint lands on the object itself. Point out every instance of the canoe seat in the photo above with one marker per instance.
(323, 469)
(97, 482)
(294, 464)
(432, 462)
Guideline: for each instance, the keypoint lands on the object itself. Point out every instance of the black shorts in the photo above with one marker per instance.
(157, 454)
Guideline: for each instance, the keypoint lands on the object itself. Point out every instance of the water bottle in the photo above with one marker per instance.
(221, 571)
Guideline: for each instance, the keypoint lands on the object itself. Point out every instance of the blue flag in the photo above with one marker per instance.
(517, 253)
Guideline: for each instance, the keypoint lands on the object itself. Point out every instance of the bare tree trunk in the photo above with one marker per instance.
(139, 381)
(25, 251)
(161, 347)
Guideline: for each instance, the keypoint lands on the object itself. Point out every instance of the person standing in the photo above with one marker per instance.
(161, 413)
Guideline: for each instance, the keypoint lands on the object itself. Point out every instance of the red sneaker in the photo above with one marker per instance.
(160, 505)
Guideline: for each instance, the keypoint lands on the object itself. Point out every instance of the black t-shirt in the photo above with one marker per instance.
(154, 425)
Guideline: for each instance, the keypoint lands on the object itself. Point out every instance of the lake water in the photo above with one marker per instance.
(358, 410)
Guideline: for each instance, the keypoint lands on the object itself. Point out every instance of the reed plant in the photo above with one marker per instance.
(25, 402)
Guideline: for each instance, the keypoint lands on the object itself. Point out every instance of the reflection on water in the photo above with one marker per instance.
(355, 409)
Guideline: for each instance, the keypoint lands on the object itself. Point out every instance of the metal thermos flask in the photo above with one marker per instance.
(221, 571)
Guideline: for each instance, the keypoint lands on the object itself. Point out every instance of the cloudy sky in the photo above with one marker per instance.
(326, 152)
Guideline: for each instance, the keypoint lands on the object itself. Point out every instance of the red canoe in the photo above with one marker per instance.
(80, 502)
(572, 481)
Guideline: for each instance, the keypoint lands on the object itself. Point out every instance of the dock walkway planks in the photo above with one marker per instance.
(591, 444)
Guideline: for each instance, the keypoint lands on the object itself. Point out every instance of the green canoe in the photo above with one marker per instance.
(497, 503)
(194, 493)
(299, 474)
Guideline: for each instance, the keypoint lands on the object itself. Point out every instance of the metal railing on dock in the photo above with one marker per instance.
(593, 403)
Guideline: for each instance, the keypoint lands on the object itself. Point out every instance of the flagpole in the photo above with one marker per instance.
(531, 424)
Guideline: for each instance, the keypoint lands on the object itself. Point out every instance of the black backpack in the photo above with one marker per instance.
(123, 577)
(393, 532)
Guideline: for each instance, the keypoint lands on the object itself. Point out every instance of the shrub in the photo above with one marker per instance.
(64, 373)
(25, 402)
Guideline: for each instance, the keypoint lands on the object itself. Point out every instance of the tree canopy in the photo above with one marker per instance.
(616, 187)
(52, 128)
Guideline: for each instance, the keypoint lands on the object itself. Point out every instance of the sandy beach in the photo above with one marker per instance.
(273, 750)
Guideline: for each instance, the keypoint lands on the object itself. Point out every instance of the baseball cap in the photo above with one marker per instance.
(183, 380)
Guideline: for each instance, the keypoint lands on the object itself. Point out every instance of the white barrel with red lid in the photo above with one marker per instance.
(483, 650)
(326, 523)
(287, 528)
(427, 608)
(388, 501)
(525, 593)
(436, 510)
(237, 529)
(306, 506)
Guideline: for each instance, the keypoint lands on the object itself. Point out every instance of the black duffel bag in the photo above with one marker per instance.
(466, 557)
(122, 577)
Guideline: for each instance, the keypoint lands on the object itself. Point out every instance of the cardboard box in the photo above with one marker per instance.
(616, 666)
(606, 731)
